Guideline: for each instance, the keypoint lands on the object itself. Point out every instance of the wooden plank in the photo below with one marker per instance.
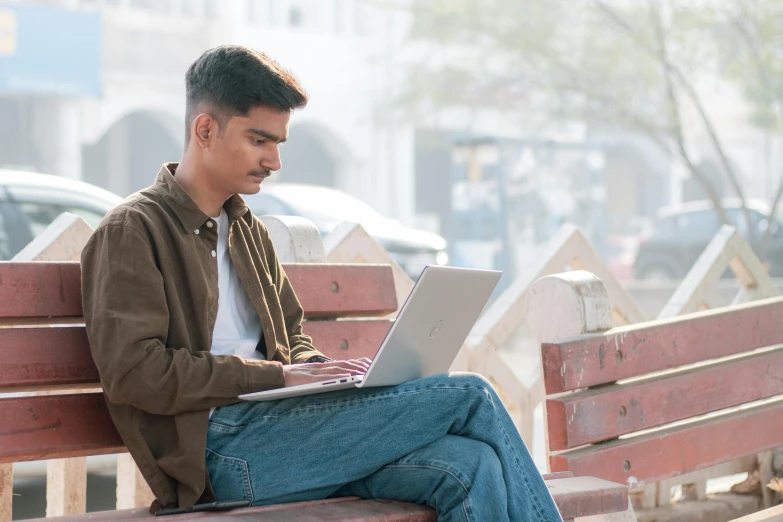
(727, 248)
(553, 476)
(348, 339)
(37, 289)
(6, 491)
(640, 349)
(667, 453)
(766, 474)
(580, 418)
(66, 486)
(45, 356)
(132, 489)
(774, 514)
(327, 290)
(40, 289)
(56, 426)
(332, 510)
(575, 496)
(586, 496)
(49, 356)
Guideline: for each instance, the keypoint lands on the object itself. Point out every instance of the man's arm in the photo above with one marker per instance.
(127, 324)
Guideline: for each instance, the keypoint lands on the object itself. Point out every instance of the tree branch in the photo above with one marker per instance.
(669, 69)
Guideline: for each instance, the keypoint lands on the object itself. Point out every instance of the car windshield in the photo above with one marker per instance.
(323, 204)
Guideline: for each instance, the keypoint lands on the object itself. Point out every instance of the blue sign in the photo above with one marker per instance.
(49, 51)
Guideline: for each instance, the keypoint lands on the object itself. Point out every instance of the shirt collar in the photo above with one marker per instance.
(186, 210)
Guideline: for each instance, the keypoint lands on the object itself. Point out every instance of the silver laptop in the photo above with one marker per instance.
(426, 337)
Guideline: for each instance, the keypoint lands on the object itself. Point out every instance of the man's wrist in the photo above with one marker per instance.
(318, 359)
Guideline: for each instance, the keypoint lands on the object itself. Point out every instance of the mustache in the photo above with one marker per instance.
(264, 173)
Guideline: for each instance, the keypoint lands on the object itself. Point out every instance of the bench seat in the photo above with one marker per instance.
(574, 496)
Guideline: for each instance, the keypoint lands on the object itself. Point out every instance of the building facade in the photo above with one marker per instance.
(116, 136)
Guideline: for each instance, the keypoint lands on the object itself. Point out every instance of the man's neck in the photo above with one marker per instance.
(195, 182)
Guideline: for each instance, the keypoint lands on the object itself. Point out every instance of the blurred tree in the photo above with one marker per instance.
(631, 64)
(751, 45)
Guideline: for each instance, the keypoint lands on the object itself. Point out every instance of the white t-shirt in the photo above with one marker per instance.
(237, 327)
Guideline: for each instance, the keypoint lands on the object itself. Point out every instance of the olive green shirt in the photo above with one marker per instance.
(150, 295)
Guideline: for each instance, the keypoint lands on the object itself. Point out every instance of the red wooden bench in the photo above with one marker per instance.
(43, 346)
(651, 401)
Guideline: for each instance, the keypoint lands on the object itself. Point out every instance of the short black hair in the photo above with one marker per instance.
(232, 79)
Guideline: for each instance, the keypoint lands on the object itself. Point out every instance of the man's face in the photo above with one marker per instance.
(246, 150)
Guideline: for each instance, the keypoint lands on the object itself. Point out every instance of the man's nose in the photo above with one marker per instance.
(272, 160)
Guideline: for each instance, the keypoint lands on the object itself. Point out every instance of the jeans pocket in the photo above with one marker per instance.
(229, 477)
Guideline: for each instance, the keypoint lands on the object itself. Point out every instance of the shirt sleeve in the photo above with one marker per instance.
(127, 322)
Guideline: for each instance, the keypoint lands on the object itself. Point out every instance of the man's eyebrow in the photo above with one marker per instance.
(268, 135)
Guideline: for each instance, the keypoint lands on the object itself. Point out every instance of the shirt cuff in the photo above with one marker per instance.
(263, 375)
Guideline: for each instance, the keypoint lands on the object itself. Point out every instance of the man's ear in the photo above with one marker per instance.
(204, 128)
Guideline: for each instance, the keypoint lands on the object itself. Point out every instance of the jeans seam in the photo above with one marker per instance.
(225, 428)
(242, 466)
(443, 470)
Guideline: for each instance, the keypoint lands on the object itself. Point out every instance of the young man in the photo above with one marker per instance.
(187, 307)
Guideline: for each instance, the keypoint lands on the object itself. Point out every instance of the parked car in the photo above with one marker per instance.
(411, 248)
(680, 234)
(29, 202)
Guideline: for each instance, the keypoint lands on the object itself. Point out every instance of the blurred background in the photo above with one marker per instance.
(460, 132)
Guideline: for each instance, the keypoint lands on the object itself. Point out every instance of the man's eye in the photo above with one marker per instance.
(258, 141)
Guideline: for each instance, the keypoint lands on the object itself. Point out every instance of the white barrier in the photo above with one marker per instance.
(350, 243)
(63, 240)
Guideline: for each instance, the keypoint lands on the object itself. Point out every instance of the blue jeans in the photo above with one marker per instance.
(445, 441)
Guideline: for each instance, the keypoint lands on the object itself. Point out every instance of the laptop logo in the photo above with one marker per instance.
(436, 329)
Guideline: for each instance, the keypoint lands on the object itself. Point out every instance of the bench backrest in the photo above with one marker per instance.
(705, 383)
(44, 349)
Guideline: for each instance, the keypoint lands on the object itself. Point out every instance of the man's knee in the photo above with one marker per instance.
(459, 380)
(467, 458)
(470, 380)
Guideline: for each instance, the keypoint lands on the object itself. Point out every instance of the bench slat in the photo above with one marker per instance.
(574, 496)
(56, 426)
(580, 418)
(348, 339)
(49, 356)
(45, 356)
(40, 289)
(636, 350)
(327, 290)
(332, 510)
(677, 450)
(54, 289)
(585, 496)
(774, 514)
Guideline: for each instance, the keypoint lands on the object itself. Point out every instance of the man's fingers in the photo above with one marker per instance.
(351, 366)
(337, 369)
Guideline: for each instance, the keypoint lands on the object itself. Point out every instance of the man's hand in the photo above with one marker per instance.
(296, 374)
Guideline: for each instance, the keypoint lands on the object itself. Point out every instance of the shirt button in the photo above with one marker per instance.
(209, 224)
(196, 231)
(214, 254)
